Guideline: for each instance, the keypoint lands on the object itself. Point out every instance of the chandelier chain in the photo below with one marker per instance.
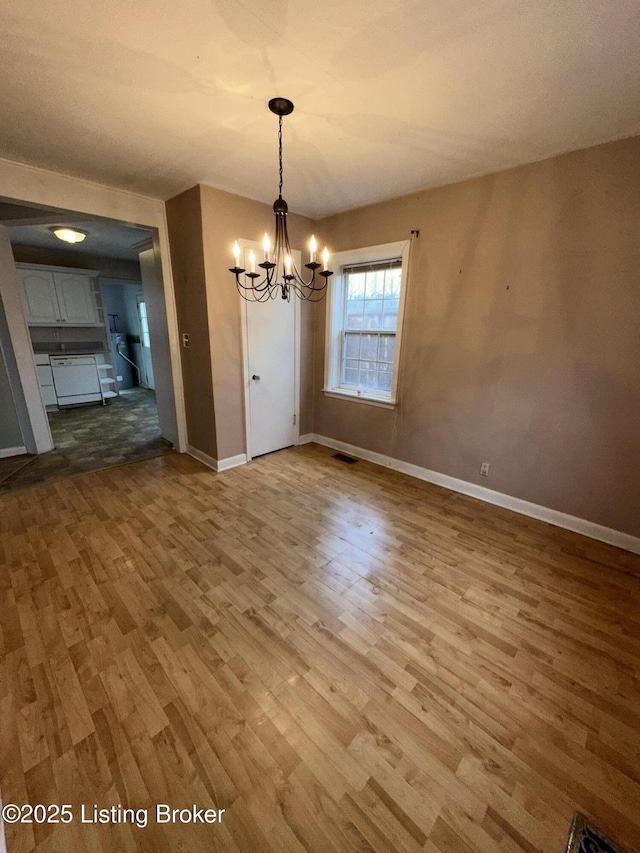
(280, 154)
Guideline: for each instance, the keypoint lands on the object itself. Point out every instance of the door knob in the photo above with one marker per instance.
(255, 377)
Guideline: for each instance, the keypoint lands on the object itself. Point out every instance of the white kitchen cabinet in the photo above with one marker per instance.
(76, 299)
(39, 297)
(54, 296)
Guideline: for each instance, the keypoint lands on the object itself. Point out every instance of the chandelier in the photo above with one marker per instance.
(281, 275)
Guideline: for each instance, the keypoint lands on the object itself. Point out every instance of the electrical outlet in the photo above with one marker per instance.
(119, 378)
(484, 469)
(185, 340)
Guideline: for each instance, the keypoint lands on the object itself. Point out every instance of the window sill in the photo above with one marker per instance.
(342, 394)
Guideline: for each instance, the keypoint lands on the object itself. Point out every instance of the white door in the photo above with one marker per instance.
(76, 299)
(39, 297)
(145, 342)
(270, 374)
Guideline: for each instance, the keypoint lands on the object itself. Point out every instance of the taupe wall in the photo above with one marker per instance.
(226, 217)
(203, 223)
(184, 221)
(522, 338)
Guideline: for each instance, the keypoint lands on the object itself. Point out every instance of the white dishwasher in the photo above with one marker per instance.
(76, 379)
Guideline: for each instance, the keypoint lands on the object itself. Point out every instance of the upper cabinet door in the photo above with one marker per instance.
(39, 296)
(76, 299)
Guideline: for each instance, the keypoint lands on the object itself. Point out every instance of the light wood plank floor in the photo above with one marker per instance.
(340, 657)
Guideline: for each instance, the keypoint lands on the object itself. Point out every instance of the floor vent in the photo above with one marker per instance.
(342, 457)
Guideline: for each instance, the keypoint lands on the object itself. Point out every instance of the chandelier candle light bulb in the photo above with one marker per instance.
(280, 273)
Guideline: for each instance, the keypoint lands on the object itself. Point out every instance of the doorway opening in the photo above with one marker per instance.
(97, 324)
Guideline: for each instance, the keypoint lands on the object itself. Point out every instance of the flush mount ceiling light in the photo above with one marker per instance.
(69, 235)
(281, 276)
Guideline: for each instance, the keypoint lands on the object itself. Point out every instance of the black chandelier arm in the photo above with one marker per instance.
(252, 276)
(314, 292)
(262, 293)
(268, 288)
(283, 249)
(256, 291)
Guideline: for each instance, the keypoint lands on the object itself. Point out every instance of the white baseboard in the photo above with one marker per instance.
(306, 439)
(542, 513)
(217, 464)
(5, 452)
(232, 462)
(209, 461)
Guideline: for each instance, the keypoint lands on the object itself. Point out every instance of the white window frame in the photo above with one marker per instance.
(335, 322)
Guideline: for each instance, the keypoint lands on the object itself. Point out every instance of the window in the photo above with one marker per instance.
(364, 323)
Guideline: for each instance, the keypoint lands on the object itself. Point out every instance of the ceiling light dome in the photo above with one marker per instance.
(69, 235)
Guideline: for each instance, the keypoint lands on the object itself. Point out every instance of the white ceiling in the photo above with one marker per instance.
(30, 225)
(391, 95)
(104, 239)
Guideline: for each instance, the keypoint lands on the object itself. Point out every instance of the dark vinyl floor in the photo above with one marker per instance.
(88, 438)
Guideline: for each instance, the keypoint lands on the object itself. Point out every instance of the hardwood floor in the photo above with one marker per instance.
(340, 657)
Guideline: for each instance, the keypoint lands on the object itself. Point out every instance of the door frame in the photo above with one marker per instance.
(257, 247)
(19, 357)
(33, 185)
